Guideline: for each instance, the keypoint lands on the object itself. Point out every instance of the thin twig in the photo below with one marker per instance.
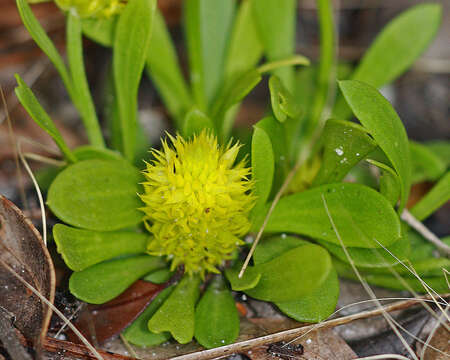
(425, 232)
(44, 159)
(426, 344)
(129, 347)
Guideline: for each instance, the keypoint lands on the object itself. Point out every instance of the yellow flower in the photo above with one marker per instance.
(196, 202)
(92, 8)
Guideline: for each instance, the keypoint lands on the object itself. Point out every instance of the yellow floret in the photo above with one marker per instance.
(196, 202)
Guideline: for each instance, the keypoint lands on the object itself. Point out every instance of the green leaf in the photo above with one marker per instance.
(360, 213)
(292, 275)
(100, 30)
(163, 68)
(216, 316)
(389, 182)
(345, 144)
(249, 280)
(316, 306)
(97, 195)
(138, 333)
(262, 166)
(244, 40)
(177, 314)
(274, 246)
(40, 117)
(283, 102)
(275, 21)
(393, 52)
(80, 84)
(88, 152)
(379, 117)
(83, 248)
(427, 267)
(207, 27)
(159, 276)
(441, 149)
(103, 282)
(195, 121)
(371, 257)
(43, 41)
(426, 165)
(131, 44)
(434, 199)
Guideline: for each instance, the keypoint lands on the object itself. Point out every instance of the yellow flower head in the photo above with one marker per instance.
(92, 8)
(196, 202)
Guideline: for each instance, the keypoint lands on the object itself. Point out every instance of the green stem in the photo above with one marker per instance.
(80, 94)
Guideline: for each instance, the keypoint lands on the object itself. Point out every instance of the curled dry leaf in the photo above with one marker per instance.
(23, 251)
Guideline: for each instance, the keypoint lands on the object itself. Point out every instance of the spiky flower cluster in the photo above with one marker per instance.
(196, 202)
(92, 8)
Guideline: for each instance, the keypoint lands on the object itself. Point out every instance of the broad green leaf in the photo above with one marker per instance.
(216, 316)
(434, 199)
(138, 333)
(441, 149)
(100, 30)
(244, 40)
(389, 182)
(80, 84)
(87, 152)
(195, 121)
(177, 314)
(43, 41)
(371, 257)
(275, 21)
(396, 48)
(83, 248)
(274, 246)
(293, 274)
(163, 67)
(426, 165)
(427, 267)
(207, 27)
(382, 122)
(131, 44)
(283, 102)
(262, 166)
(159, 276)
(316, 306)
(361, 215)
(345, 144)
(249, 280)
(104, 281)
(40, 116)
(97, 195)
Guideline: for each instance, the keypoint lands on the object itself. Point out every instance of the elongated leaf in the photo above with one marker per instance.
(434, 199)
(83, 248)
(244, 40)
(163, 67)
(138, 333)
(79, 80)
(100, 30)
(283, 102)
(316, 306)
(97, 195)
(216, 316)
(389, 182)
(177, 314)
(208, 24)
(345, 144)
(275, 22)
(441, 149)
(103, 282)
(361, 214)
(195, 122)
(262, 166)
(292, 275)
(379, 117)
(393, 52)
(131, 44)
(40, 116)
(426, 165)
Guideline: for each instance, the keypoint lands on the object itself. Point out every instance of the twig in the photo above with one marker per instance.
(292, 333)
(129, 347)
(424, 231)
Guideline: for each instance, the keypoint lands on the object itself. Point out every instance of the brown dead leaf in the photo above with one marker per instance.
(101, 322)
(23, 251)
(441, 341)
